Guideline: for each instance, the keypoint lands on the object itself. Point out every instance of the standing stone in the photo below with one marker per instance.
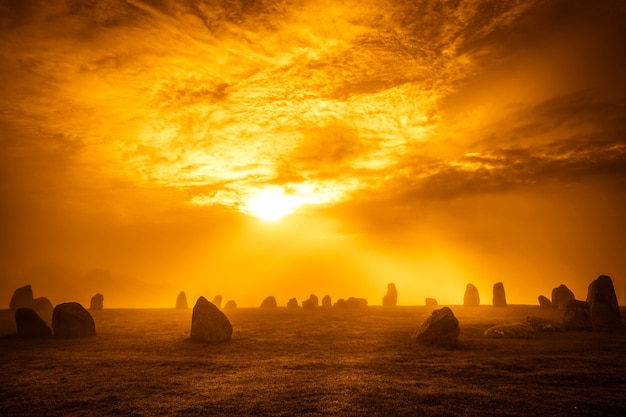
(217, 301)
(603, 303)
(311, 303)
(577, 316)
(431, 302)
(471, 297)
(230, 304)
(441, 328)
(499, 297)
(29, 324)
(181, 300)
(208, 323)
(391, 298)
(327, 302)
(561, 295)
(269, 302)
(292, 303)
(22, 297)
(72, 320)
(97, 302)
(544, 302)
(356, 302)
(43, 307)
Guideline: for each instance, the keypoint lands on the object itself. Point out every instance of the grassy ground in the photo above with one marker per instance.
(325, 362)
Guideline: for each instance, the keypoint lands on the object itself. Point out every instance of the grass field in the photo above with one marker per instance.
(284, 362)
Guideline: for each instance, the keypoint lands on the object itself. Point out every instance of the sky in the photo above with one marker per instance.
(253, 148)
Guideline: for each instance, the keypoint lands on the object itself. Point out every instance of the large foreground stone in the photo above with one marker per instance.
(29, 324)
(544, 302)
(390, 299)
(22, 297)
(441, 328)
(603, 305)
(208, 323)
(181, 300)
(577, 316)
(72, 320)
(499, 297)
(471, 296)
(510, 331)
(269, 302)
(561, 295)
(97, 302)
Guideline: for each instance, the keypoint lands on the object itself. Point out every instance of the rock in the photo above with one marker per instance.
(603, 305)
(22, 297)
(311, 303)
(43, 307)
(340, 303)
(471, 297)
(351, 302)
(544, 302)
(499, 297)
(431, 302)
(97, 302)
(269, 302)
(327, 301)
(543, 325)
(181, 300)
(510, 331)
(577, 316)
(217, 301)
(208, 323)
(72, 320)
(230, 304)
(292, 303)
(441, 328)
(391, 298)
(29, 324)
(561, 295)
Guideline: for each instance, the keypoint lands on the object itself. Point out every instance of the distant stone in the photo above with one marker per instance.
(510, 331)
(311, 303)
(292, 303)
(577, 316)
(230, 304)
(561, 295)
(471, 297)
(97, 302)
(269, 302)
(22, 297)
(181, 300)
(327, 301)
(390, 299)
(543, 325)
(441, 328)
(340, 303)
(29, 324)
(355, 302)
(209, 324)
(43, 307)
(431, 302)
(217, 301)
(544, 302)
(72, 320)
(499, 297)
(603, 303)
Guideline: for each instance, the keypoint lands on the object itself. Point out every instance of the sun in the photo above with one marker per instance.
(272, 204)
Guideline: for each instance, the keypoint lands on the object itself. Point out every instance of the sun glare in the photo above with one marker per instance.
(272, 204)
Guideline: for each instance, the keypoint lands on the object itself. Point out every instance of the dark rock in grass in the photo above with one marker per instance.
(431, 302)
(510, 331)
(561, 295)
(544, 302)
(327, 302)
(22, 297)
(72, 320)
(577, 316)
(292, 303)
(471, 297)
(97, 302)
(390, 299)
(311, 303)
(499, 297)
(209, 324)
(44, 308)
(230, 304)
(181, 300)
(217, 301)
(543, 325)
(441, 329)
(603, 304)
(269, 302)
(29, 324)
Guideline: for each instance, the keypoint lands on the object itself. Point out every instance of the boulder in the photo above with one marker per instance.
(217, 301)
(544, 302)
(44, 308)
(390, 299)
(577, 316)
(327, 301)
(72, 320)
(97, 302)
(510, 331)
(269, 302)
(230, 304)
(311, 303)
(603, 305)
(209, 324)
(539, 324)
(340, 303)
(561, 295)
(181, 300)
(499, 297)
(355, 302)
(471, 297)
(441, 328)
(292, 303)
(29, 324)
(431, 302)
(22, 297)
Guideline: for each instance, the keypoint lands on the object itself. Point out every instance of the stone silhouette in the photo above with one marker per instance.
(390, 299)
(209, 324)
(603, 305)
(217, 301)
(311, 303)
(561, 295)
(510, 331)
(97, 302)
(269, 302)
(44, 308)
(327, 302)
(430, 302)
(577, 316)
(230, 304)
(29, 324)
(471, 296)
(544, 302)
(72, 320)
(441, 328)
(499, 297)
(352, 302)
(181, 300)
(22, 297)
(292, 303)
(543, 325)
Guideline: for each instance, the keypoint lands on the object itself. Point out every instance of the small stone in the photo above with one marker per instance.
(72, 320)
(510, 331)
(544, 302)
(269, 302)
(97, 302)
(471, 297)
(390, 299)
(499, 296)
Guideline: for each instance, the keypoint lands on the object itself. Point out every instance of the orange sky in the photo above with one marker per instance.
(424, 143)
